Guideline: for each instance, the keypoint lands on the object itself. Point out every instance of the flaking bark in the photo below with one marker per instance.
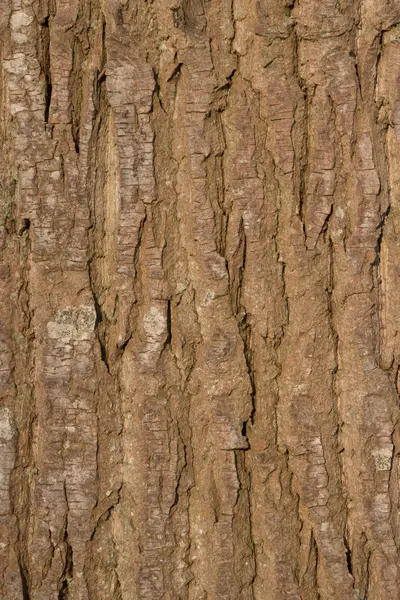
(199, 337)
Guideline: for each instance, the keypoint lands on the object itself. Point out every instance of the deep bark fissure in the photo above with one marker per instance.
(45, 65)
(199, 385)
(24, 581)
(68, 572)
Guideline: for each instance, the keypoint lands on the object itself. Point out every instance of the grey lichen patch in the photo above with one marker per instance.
(6, 424)
(154, 322)
(7, 192)
(19, 22)
(73, 323)
(383, 459)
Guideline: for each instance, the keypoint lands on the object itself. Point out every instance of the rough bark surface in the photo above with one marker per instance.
(200, 279)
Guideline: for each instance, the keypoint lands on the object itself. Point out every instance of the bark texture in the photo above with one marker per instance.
(200, 279)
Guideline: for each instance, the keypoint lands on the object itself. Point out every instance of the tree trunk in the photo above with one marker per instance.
(200, 279)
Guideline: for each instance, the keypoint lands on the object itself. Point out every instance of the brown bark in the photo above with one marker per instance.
(200, 333)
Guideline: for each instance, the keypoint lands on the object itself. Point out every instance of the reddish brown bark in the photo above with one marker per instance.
(200, 337)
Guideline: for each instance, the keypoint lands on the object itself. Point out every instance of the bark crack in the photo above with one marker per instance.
(44, 55)
(68, 571)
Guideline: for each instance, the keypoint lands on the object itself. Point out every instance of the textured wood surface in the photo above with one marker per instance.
(199, 299)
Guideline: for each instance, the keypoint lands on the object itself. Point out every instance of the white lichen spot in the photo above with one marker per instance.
(218, 267)
(155, 322)
(73, 323)
(301, 388)
(6, 424)
(19, 21)
(233, 440)
(383, 458)
(17, 65)
(340, 212)
(325, 526)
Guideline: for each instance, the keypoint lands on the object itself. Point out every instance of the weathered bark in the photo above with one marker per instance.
(200, 277)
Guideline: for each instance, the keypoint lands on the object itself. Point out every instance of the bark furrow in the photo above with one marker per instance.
(199, 334)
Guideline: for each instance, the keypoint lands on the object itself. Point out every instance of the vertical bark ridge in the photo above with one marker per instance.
(199, 335)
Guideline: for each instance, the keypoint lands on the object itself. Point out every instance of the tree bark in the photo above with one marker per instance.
(200, 279)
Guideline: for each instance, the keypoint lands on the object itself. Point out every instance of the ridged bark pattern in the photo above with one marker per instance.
(200, 279)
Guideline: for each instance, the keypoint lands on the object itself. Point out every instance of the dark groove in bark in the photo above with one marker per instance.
(24, 582)
(234, 146)
(68, 572)
(45, 65)
(380, 227)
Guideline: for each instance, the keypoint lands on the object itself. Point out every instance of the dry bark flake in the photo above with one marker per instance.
(199, 299)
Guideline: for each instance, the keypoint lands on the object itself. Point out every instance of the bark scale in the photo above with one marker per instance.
(200, 334)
